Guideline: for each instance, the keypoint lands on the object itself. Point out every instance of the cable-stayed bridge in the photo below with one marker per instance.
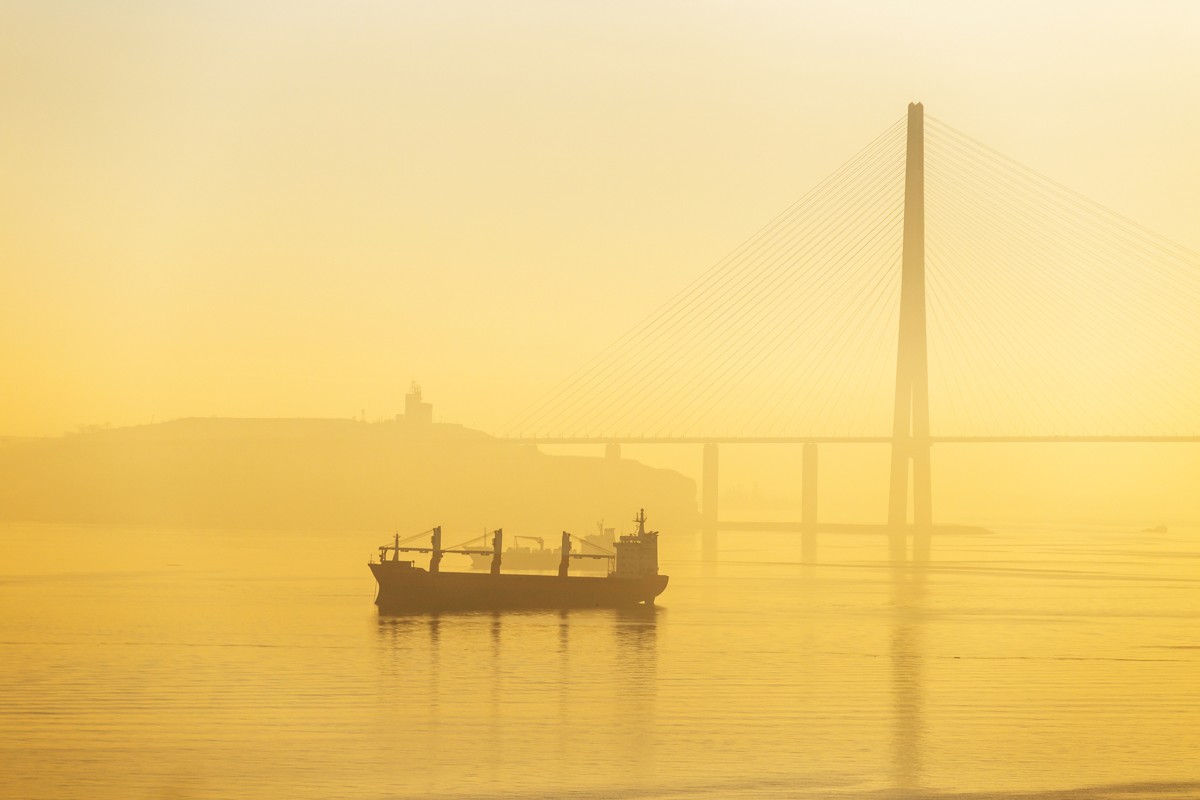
(930, 291)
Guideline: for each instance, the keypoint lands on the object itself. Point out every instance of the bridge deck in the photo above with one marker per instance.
(840, 439)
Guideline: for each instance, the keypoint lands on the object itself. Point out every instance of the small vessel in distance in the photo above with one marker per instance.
(521, 557)
(404, 587)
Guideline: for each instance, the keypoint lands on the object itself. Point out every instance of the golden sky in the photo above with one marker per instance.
(292, 209)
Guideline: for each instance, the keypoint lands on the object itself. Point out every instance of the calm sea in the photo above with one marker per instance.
(1035, 662)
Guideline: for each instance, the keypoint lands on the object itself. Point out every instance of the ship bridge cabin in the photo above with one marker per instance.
(637, 554)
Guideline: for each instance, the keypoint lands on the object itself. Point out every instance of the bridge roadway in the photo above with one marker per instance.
(809, 526)
(583, 440)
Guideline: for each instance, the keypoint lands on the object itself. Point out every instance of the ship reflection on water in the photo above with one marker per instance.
(849, 678)
(479, 694)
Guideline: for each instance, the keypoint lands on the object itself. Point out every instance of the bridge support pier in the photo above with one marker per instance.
(910, 466)
(708, 499)
(808, 505)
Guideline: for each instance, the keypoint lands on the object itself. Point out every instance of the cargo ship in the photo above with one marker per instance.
(405, 587)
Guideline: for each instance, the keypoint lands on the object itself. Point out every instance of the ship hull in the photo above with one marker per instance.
(403, 588)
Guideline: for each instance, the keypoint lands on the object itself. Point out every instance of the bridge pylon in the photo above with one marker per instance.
(910, 428)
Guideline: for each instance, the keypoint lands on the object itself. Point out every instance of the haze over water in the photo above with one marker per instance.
(232, 235)
(1034, 662)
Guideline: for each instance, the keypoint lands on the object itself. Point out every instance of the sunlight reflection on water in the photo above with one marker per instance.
(1032, 662)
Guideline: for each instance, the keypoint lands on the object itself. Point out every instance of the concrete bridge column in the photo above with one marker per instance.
(808, 504)
(922, 506)
(708, 505)
(708, 496)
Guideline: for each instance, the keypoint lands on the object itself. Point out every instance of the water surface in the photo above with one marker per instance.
(1036, 662)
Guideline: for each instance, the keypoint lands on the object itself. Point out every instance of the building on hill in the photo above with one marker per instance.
(415, 411)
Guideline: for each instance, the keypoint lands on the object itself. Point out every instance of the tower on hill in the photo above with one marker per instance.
(415, 411)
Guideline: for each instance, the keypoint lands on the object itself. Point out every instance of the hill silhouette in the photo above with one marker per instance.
(327, 474)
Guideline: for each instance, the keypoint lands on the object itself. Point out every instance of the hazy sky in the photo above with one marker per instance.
(292, 209)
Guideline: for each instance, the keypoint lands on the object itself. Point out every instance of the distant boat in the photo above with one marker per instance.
(1155, 529)
(404, 587)
(545, 559)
